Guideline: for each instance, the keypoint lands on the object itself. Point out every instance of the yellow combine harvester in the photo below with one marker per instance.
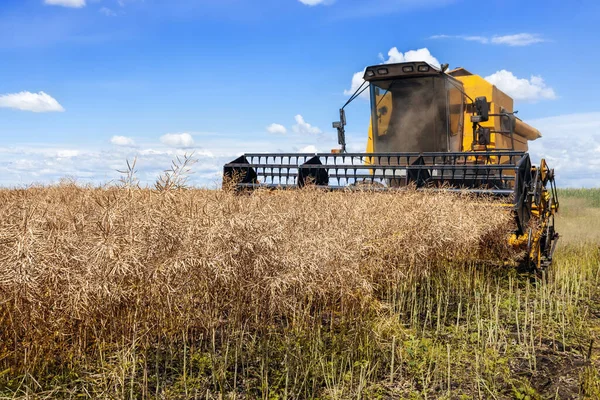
(431, 129)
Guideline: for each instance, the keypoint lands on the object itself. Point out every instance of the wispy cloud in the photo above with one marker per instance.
(577, 162)
(316, 2)
(36, 30)
(518, 39)
(372, 8)
(107, 12)
(34, 102)
(66, 3)
(480, 39)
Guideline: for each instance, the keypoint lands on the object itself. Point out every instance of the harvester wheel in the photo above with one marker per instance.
(522, 196)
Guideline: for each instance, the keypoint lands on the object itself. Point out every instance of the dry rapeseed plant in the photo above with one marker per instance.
(81, 269)
(176, 177)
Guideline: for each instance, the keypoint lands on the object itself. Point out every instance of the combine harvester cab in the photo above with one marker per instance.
(433, 130)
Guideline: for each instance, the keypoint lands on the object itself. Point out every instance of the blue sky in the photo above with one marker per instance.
(87, 84)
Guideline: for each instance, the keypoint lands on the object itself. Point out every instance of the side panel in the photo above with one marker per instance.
(476, 86)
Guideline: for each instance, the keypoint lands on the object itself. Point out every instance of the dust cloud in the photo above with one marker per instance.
(417, 122)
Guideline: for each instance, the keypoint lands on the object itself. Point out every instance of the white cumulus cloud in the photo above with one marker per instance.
(66, 3)
(357, 81)
(522, 89)
(304, 128)
(423, 54)
(122, 141)
(27, 101)
(277, 129)
(177, 140)
(394, 56)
